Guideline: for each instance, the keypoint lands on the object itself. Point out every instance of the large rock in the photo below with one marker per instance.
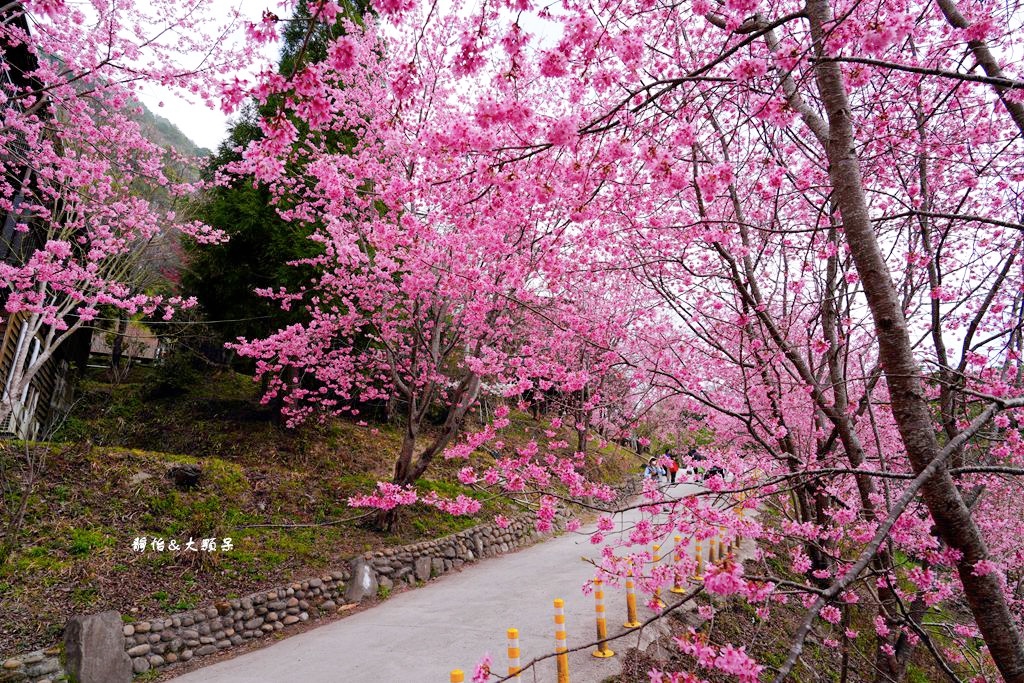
(423, 568)
(94, 648)
(185, 477)
(363, 583)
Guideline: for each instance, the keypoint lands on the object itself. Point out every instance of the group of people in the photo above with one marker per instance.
(666, 474)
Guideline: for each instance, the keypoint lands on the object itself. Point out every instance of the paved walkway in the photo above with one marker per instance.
(419, 635)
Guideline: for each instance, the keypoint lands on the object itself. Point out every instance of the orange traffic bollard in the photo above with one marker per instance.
(602, 651)
(659, 603)
(631, 620)
(513, 653)
(677, 585)
(561, 648)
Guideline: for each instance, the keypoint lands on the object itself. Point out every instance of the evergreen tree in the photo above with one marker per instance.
(225, 277)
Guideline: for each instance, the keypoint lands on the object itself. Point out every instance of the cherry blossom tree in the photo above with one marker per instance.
(824, 199)
(78, 170)
(418, 300)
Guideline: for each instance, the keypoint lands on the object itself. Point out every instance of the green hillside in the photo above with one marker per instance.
(280, 494)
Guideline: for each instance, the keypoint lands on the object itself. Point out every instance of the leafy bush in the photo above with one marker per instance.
(175, 376)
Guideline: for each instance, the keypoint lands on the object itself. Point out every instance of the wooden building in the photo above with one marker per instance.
(49, 394)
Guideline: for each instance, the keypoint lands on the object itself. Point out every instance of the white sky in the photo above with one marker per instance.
(205, 126)
(208, 127)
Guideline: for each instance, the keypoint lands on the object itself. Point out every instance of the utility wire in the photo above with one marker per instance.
(185, 322)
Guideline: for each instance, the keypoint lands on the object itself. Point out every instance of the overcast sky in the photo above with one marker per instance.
(207, 127)
(203, 125)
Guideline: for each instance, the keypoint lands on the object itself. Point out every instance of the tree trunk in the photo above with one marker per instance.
(23, 369)
(408, 469)
(909, 405)
(386, 519)
(117, 349)
(582, 425)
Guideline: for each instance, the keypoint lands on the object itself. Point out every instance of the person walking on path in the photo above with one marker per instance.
(654, 470)
(673, 466)
(695, 462)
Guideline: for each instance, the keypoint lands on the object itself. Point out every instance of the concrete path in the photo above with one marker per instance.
(418, 636)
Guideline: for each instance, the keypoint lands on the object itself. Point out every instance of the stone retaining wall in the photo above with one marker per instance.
(40, 665)
(422, 561)
(229, 623)
(164, 641)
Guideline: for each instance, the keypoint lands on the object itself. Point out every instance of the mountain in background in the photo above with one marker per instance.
(164, 133)
(156, 128)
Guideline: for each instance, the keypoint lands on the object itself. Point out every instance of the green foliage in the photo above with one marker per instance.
(436, 523)
(73, 429)
(211, 510)
(703, 437)
(447, 489)
(262, 247)
(356, 481)
(84, 541)
(34, 558)
(224, 277)
(174, 377)
(168, 604)
(916, 675)
(383, 592)
(305, 41)
(85, 596)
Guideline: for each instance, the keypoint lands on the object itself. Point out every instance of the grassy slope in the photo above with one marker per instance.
(105, 484)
